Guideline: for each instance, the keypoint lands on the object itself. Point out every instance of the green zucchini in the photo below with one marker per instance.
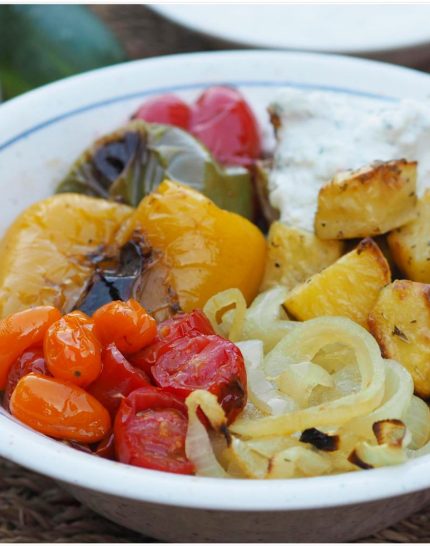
(43, 43)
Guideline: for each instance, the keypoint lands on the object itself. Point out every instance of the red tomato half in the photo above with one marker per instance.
(150, 430)
(168, 109)
(204, 362)
(117, 379)
(224, 122)
(221, 119)
(181, 325)
(30, 361)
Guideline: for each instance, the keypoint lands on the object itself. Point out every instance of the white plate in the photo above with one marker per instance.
(41, 133)
(360, 29)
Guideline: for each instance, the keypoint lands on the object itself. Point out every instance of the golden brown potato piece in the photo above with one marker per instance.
(348, 288)
(400, 322)
(294, 255)
(410, 244)
(367, 202)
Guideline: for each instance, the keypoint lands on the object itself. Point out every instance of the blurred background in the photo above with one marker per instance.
(43, 43)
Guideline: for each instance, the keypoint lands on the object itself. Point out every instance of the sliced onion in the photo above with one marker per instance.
(226, 312)
(398, 391)
(266, 319)
(299, 380)
(366, 455)
(251, 463)
(298, 460)
(302, 344)
(261, 392)
(417, 420)
(198, 447)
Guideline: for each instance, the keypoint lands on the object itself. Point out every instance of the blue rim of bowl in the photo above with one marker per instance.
(189, 87)
(295, 494)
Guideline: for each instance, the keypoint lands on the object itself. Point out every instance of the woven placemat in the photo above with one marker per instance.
(33, 508)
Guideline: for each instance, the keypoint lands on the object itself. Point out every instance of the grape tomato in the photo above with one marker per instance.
(150, 430)
(117, 379)
(125, 323)
(72, 351)
(59, 409)
(181, 325)
(206, 362)
(31, 360)
(20, 331)
(220, 118)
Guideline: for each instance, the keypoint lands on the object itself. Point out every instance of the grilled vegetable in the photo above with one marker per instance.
(294, 255)
(410, 244)
(134, 270)
(130, 163)
(40, 44)
(46, 256)
(207, 249)
(400, 322)
(347, 288)
(367, 202)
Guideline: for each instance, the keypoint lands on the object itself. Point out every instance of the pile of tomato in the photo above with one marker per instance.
(115, 384)
(220, 118)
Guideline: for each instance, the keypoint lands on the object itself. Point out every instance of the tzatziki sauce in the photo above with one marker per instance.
(322, 133)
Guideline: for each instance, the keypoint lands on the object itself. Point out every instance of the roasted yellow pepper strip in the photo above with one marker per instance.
(44, 253)
(208, 249)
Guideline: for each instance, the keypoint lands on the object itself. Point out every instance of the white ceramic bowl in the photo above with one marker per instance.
(40, 135)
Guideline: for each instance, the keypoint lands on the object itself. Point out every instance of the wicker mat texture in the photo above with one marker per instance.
(33, 508)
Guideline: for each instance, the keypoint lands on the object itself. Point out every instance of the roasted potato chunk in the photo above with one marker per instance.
(367, 202)
(400, 322)
(294, 255)
(347, 288)
(410, 244)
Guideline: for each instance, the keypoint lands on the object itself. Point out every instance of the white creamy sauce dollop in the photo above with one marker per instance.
(324, 133)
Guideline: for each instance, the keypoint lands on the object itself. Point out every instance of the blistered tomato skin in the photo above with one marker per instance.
(204, 362)
(117, 379)
(224, 122)
(221, 119)
(59, 409)
(181, 325)
(31, 360)
(167, 109)
(20, 331)
(125, 323)
(150, 431)
(72, 351)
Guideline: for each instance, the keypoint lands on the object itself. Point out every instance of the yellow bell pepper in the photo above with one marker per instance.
(44, 255)
(207, 248)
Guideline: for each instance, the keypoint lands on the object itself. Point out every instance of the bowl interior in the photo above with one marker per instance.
(42, 132)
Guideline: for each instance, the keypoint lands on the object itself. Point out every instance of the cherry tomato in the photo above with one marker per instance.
(150, 430)
(181, 325)
(204, 362)
(117, 379)
(224, 122)
(59, 409)
(72, 351)
(221, 119)
(168, 109)
(125, 323)
(83, 319)
(31, 360)
(20, 331)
